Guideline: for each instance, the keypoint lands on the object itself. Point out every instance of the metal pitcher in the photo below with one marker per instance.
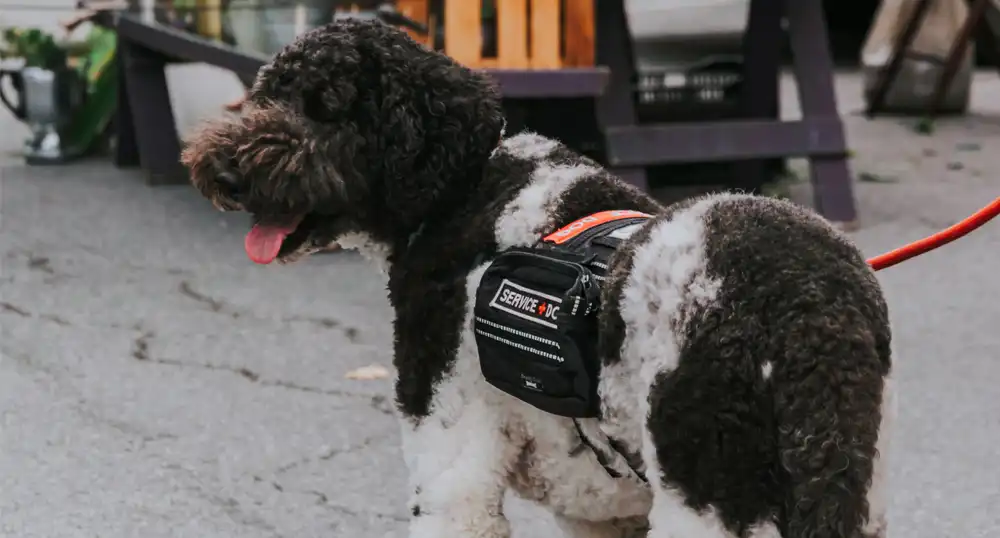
(46, 102)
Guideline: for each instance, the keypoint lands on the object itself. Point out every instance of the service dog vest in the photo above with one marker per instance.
(536, 314)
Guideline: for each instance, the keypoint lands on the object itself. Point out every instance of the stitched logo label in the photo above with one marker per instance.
(625, 232)
(579, 226)
(526, 303)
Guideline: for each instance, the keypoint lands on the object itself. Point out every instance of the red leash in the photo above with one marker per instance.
(941, 238)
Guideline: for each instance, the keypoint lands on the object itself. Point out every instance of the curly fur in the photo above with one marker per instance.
(744, 342)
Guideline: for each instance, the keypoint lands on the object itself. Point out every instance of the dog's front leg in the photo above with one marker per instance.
(456, 431)
(458, 459)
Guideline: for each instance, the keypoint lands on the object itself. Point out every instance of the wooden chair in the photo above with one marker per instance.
(975, 25)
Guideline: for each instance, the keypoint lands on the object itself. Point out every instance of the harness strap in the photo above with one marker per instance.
(605, 459)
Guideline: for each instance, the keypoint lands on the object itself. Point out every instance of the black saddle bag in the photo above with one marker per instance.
(536, 332)
(536, 314)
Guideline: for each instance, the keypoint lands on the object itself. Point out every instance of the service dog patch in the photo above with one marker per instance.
(526, 303)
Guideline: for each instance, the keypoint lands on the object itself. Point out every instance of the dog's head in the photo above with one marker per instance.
(353, 128)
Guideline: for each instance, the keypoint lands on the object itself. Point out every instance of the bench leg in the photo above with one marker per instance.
(617, 106)
(152, 116)
(126, 148)
(813, 65)
(759, 99)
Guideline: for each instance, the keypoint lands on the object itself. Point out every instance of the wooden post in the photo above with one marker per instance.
(512, 34)
(530, 33)
(545, 38)
(416, 10)
(579, 33)
(463, 31)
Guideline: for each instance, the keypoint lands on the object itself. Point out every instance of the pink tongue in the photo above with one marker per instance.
(264, 241)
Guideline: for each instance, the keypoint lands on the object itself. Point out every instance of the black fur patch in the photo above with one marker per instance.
(427, 282)
(798, 447)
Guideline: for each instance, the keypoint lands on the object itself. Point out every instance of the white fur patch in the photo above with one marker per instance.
(458, 457)
(529, 146)
(530, 214)
(671, 517)
(878, 491)
(663, 266)
(370, 249)
(503, 133)
(764, 530)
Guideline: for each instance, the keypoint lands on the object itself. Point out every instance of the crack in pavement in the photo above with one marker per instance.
(40, 263)
(322, 499)
(213, 304)
(20, 311)
(230, 506)
(331, 453)
(351, 333)
(219, 306)
(140, 346)
(82, 406)
(55, 319)
(43, 263)
(36, 263)
(326, 323)
(383, 405)
(141, 352)
(14, 309)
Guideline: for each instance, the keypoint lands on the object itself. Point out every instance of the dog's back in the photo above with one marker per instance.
(762, 340)
(746, 348)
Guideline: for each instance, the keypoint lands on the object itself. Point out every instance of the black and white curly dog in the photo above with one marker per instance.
(744, 343)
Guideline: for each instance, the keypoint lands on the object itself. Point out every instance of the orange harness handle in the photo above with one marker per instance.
(941, 238)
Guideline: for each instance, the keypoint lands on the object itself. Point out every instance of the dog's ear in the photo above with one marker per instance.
(270, 152)
(439, 127)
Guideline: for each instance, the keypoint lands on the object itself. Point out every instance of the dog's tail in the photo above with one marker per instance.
(828, 393)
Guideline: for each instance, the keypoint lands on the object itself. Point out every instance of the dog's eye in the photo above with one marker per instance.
(229, 184)
(314, 108)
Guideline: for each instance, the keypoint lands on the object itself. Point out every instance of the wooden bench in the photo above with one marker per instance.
(590, 107)
(147, 134)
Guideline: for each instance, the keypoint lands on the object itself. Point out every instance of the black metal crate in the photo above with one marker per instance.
(706, 91)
